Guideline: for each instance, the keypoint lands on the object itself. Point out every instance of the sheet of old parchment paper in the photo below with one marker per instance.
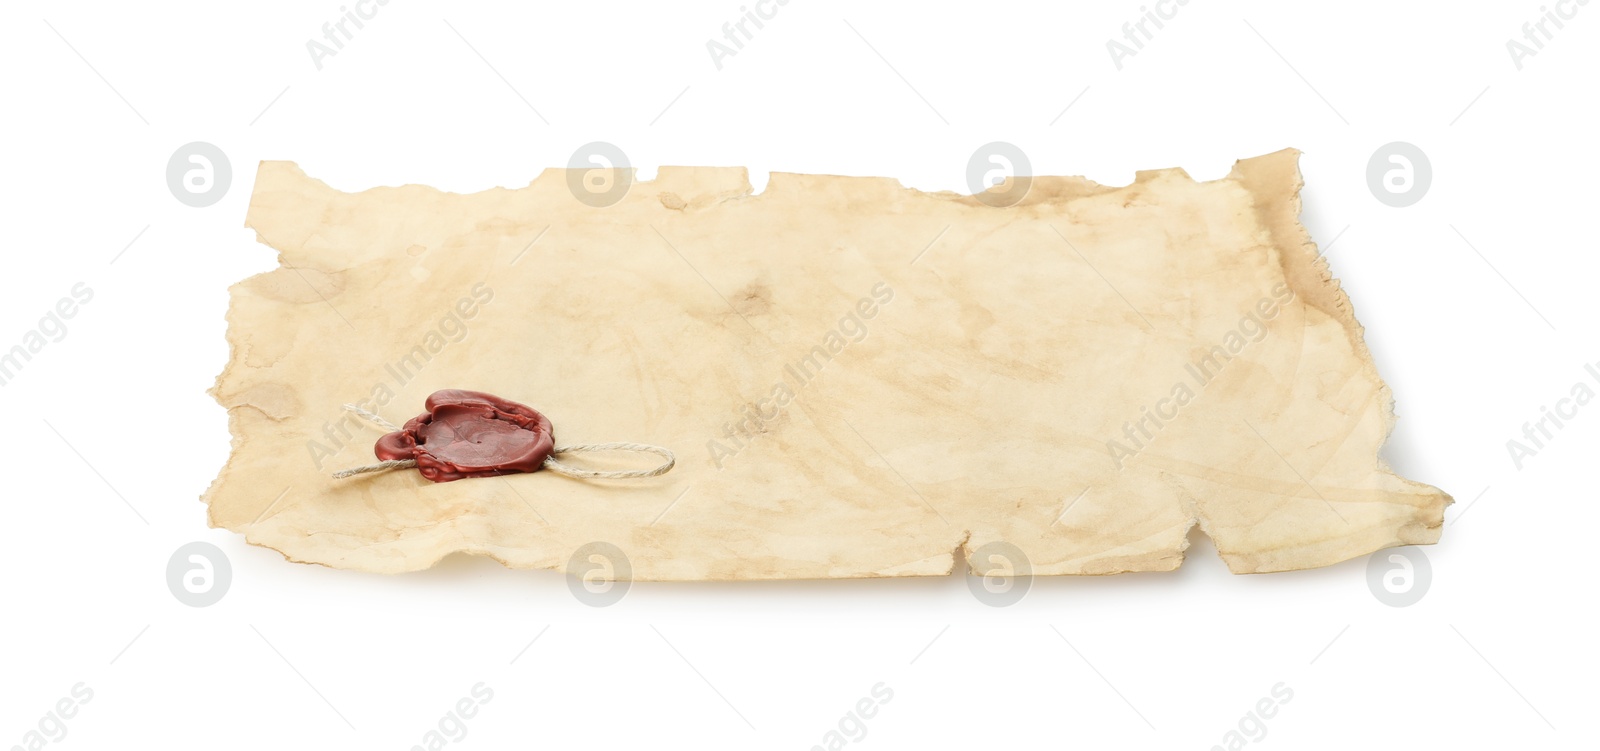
(859, 379)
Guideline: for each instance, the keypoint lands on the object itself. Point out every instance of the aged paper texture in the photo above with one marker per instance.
(859, 379)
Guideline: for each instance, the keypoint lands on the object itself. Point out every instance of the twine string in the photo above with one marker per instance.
(372, 418)
(383, 466)
(552, 464)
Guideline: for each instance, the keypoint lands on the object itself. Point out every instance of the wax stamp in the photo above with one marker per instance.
(470, 434)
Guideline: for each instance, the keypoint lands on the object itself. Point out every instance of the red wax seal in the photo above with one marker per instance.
(470, 434)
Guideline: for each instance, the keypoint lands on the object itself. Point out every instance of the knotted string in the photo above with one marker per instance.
(550, 462)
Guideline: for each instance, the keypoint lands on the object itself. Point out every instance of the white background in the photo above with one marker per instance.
(97, 96)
